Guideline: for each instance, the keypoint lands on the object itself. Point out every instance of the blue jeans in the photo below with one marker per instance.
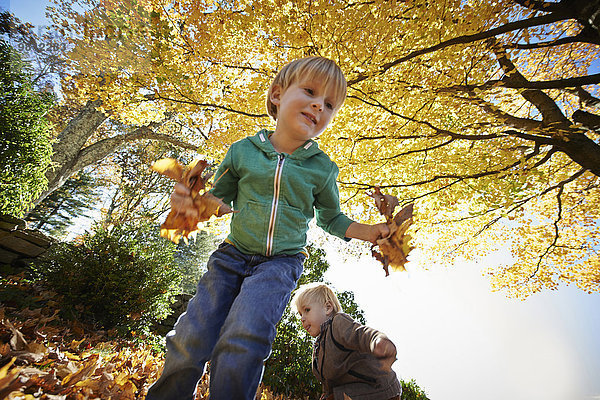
(231, 322)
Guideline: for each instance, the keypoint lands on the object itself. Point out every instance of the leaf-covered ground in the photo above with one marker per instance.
(43, 356)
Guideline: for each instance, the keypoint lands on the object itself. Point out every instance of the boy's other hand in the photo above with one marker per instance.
(385, 350)
(381, 230)
(369, 233)
(182, 202)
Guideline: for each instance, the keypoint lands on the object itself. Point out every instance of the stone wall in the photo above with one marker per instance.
(20, 245)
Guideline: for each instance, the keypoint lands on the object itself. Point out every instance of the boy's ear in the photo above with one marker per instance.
(276, 95)
(328, 308)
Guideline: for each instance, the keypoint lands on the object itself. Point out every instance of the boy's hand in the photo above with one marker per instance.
(369, 233)
(385, 350)
(379, 231)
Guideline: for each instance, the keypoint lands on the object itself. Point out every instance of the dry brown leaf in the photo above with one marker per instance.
(86, 370)
(385, 203)
(179, 225)
(169, 167)
(73, 368)
(394, 248)
(17, 340)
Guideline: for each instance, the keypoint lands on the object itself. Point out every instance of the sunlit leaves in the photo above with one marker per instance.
(433, 129)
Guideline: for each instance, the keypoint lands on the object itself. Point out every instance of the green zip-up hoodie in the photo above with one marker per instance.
(276, 195)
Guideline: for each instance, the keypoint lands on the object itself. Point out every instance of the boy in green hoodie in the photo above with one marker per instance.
(277, 182)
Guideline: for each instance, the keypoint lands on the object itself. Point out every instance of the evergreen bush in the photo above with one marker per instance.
(118, 277)
(25, 140)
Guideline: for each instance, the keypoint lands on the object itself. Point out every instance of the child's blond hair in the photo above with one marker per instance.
(317, 292)
(310, 68)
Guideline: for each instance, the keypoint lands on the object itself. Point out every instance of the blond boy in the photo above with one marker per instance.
(277, 182)
(349, 359)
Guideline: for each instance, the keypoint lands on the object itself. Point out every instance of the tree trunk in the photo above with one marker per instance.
(70, 153)
(68, 145)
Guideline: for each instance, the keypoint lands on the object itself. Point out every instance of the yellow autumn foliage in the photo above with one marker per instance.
(441, 128)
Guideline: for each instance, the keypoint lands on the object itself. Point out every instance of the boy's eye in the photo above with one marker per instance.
(329, 105)
(309, 91)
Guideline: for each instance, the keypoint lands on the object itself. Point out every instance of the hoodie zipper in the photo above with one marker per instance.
(276, 187)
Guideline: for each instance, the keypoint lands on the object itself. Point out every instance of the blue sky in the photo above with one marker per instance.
(454, 336)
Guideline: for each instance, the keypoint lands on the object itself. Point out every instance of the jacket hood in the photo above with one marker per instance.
(261, 140)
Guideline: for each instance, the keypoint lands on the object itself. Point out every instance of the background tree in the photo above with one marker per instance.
(120, 276)
(191, 259)
(136, 192)
(43, 50)
(483, 112)
(25, 140)
(73, 200)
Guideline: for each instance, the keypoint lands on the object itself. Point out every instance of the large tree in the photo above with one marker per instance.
(485, 113)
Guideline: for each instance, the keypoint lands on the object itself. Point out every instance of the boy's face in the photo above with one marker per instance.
(304, 109)
(312, 315)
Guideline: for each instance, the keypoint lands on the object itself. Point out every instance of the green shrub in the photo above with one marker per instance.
(120, 277)
(411, 391)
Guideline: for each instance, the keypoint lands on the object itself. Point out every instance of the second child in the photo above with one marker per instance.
(349, 359)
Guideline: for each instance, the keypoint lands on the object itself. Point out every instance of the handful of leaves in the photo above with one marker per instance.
(394, 248)
(178, 225)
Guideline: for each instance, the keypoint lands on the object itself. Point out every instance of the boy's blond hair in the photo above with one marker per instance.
(316, 292)
(310, 68)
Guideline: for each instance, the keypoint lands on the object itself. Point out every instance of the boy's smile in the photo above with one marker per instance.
(304, 111)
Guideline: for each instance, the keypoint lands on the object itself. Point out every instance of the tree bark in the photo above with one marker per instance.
(69, 143)
(587, 119)
(71, 154)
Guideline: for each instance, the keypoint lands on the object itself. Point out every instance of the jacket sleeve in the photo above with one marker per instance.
(327, 205)
(226, 178)
(354, 336)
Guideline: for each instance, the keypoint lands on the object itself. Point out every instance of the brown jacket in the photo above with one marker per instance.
(344, 363)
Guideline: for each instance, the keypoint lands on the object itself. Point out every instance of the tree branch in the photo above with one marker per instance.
(527, 124)
(519, 204)
(587, 119)
(439, 131)
(540, 5)
(102, 148)
(584, 36)
(457, 178)
(551, 113)
(208, 105)
(560, 186)
(541, 140)
(558, 15)
(510, 83)
(585, 98)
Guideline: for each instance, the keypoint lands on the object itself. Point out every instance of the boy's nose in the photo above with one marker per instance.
(318, 105)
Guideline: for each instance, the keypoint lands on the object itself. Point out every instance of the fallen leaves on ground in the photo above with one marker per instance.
(394, 248)
(178, 225)
(43, 356)
(46, 357)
